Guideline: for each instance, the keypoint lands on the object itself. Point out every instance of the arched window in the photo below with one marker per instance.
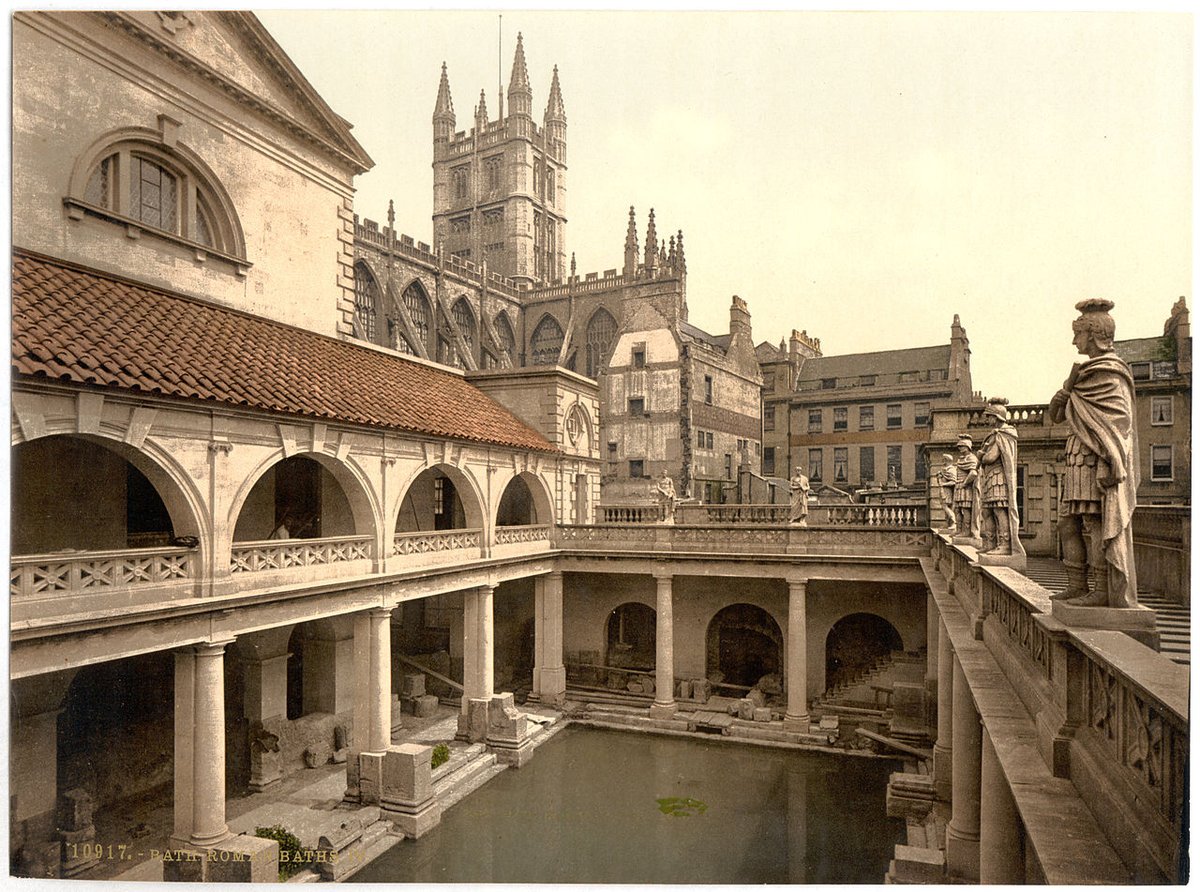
(547, 341)
(507, 341)
(465, 320)
(366, 300)
(140, 177)
(417, 305)
(601, 330)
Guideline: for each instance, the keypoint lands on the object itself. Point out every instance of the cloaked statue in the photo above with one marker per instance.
(966, 493)
(798, 489)
(1099, 490)
(999, 520)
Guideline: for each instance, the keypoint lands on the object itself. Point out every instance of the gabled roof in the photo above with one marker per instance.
(72, 324)
(691, 332)
(883, 362)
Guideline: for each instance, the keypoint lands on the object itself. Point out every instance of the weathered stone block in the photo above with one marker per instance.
(370, 777)
(243, 859)
(762, 714)
(701, 689)
(425, 706)
(757, 697)
(828, 723)
(340, 850)
(316, 756)
(407, 774)
(917, 865)
(185, 866)
(685, 689)
(745, 709)
(413, 686)
(908, 707)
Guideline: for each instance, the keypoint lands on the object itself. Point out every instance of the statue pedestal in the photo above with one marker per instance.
(1016, 561)
(1139, 623)
(968, 540)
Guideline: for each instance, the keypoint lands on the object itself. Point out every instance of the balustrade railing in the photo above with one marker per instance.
(284, 554)
(440, 540)
(895, 515)
(526, 533)
(643, 512)
(50, 575)
(732, 514)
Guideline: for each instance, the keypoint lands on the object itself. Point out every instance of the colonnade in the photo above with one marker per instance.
(984, 839)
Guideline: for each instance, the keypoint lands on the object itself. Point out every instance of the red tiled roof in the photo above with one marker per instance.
(75, 325)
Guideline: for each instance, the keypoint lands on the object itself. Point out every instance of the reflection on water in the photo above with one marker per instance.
(589, 809)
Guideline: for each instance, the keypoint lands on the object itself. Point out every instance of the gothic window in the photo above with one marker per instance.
(366, 301)
(399, 341)
(504, 335)
(465, 320)
(417, 306)
(162, 189)
(537, 178)
(460, 178)
(491, 172)
(601, 329)
(550, 185)
(546, 342)
(460, 226)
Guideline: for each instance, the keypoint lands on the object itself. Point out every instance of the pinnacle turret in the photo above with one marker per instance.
(682, 258)
(631, 245)
(481, 112)
(443, 110)
(555, 111)
(651, 244)
(520, 94)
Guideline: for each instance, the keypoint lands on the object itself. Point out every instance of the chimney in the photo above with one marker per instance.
(739, 317)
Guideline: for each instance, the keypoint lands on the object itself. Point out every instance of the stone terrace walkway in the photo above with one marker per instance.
(1174, 620)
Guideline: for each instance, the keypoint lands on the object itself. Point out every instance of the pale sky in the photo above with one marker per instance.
(863, 176)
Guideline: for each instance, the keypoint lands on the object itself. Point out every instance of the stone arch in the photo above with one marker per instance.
(527, 496)
(465, 487)
(743, 643)
(599, 337)
(170, 482)
(353, 483)
(629, 636)
(546, 342)
(855, 642)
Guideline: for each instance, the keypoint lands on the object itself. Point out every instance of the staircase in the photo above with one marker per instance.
(1174, 620)
(871, 687)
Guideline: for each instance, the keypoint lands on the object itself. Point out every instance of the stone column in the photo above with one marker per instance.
(486, 653)
(664, 648)
(931, 652)
(945, 714)
(471, 675)
(372, 704)
(962, 834)
(796, 717)
(549, 673)
(200, 745)
(1000, 859)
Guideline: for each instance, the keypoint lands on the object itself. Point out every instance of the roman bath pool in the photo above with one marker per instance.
(599, 806)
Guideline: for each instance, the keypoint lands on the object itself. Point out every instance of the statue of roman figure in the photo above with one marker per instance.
(1000, 520)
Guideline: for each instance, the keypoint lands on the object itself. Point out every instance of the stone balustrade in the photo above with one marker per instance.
(284, 554)
(732, 514)
(39, 576)
(1111, 714)
(441, 540)
(520, 534)
(903, 515)
(759, 539)
(634, 512)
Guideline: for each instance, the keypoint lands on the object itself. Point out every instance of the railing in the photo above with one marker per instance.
(733, 514)
(643, 512)
(51, 575)
(1034, 415)
(1162, 547)
(901, 515)
(526, 533)
(650, 538)
(284, 554)
(442, 540)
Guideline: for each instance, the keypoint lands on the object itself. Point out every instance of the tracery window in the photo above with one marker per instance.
(465, 320)
(366, 300)
(507, 340)
(417, 306)
(601, 330)
(546, 342)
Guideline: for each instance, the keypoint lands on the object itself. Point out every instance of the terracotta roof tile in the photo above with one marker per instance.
(77, 325)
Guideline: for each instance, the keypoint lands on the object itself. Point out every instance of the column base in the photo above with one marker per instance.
(800, 724)
(552, 686)
(473, 724)
(512, 754)
(370, 778)
(962, 855)
(238, 859)
(414, 821)
(663, 710)
(942, 766)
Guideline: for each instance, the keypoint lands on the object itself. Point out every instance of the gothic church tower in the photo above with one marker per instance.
(499, 189)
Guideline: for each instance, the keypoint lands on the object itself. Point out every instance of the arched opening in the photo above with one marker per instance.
(506, 340)
(71, 493)
(630, 637)
(524, 501)
(546, 343)
(417, 304)
(297, 498)
(601, 329)
(744, 644)
(434, 502)
(855, 643)
(366, 302)
(295, 673)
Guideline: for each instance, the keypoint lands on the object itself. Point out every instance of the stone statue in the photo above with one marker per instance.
(1099, 488)
(966, 492)
(947, 476)
(1000, 520)
(664, 494)
(798, 489)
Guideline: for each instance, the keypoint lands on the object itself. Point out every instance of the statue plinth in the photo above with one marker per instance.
(991, 559)
(1139, 623)
(968, 540)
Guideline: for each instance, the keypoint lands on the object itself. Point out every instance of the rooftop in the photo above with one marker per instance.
(883, 362)
(73, 324)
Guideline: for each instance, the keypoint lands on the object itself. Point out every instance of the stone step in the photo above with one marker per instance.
(452, 788)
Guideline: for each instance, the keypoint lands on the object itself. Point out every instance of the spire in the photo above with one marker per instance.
(554, 107)
(671, 254)
(679, 246)
(631, 246)
(443, 110)
(520, 74)
(651, 243)
(481, 113)
(520, 94)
